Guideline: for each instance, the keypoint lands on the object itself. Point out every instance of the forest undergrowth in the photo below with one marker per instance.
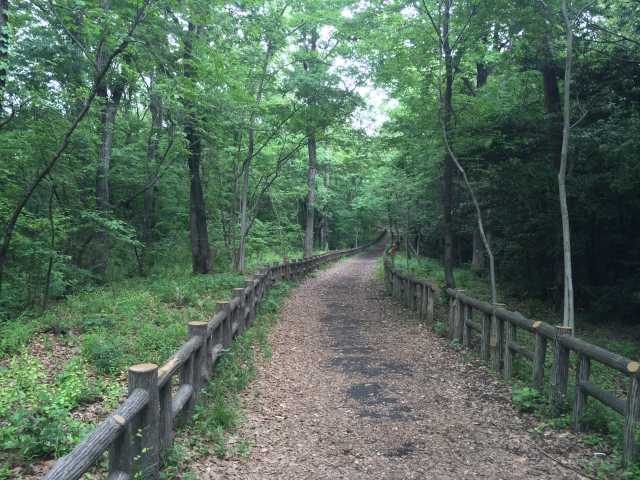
(64, 370)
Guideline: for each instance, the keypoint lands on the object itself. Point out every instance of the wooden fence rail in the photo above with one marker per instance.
(141, 429)
(497, 332)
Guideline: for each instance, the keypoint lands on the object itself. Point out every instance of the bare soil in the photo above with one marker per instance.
(357, 388)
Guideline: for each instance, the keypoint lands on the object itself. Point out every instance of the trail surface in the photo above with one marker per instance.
(357, 389)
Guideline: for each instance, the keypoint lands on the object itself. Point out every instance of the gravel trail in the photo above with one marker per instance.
(358, 389)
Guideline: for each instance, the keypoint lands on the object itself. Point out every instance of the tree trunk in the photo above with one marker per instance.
(311, 194)
(324, 224)
(4, 44)
(550, 87)
(52, 254)
(568, 312)
(244, 194)
(482, 74)
(148, 209)
(109, 110)
(323, 231)
(448, 194)
(246, 172)
(477, 261)
(201, 256)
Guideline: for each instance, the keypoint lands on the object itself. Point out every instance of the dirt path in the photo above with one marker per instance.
(358, 389)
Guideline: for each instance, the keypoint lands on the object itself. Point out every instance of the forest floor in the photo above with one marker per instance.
(358, 388)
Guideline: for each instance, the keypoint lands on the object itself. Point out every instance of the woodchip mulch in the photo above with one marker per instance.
(358, 389)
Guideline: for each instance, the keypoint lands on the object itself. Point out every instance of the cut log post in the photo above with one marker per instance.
(146, 434)
(560, 372)
(430, 304)
(166, 418)
(485, 340)
(239, 293)
(466, 330)
(539, 357)
(580, 399)
(458, 320)
(201, 357)
(226, 323)
(510, 337)
(453, 307)
(497, 341)
(396, 286)
(251, 298)
(260, 278)
(423, 301)
(631, 417)
(413, 295)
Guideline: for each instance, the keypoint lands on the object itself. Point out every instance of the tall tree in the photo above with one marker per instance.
(568, 310)
(201, 255)
(4, 46)
(311, 47)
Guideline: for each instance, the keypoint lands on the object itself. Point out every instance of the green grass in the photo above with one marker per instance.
(604, 427)
(131, 321)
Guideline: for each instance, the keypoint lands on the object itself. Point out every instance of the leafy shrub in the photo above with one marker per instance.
(35, 411)
(440, 328)
(106, 352)
(525, 399)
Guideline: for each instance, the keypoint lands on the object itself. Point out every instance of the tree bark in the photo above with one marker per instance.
(246, 172)
(244, 194)
(568, 311)
(4, 44)
(201, 256)
(448, 193)
(311, 194)
(482, 74)
(550, 88)
(109, 110)
(477, 261)
(52, 254)
(324, 222)
(148, 208)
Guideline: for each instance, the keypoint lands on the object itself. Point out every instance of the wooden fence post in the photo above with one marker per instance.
(412, 294)
(226, 324)
(453, 307)
(631, 416)
(539, 357)
(394, 292)
(200, 357)
(497, 340)
(239, 293)
(260, 278)
(251, 298)
(146, 434)
(560, 372)
(430, 302)
(466, 330)
(580, 399)
(485, 340)
(165, 398)
(458, 320)
(510, 336)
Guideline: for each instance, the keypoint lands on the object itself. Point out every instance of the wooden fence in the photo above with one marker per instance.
(497, 332)
(141, 429)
